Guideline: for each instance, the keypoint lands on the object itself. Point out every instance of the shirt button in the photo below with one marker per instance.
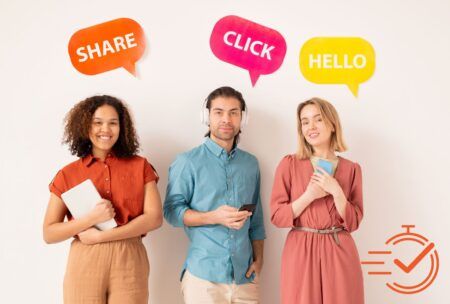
(106, 166)
(231, 236)
(107, 179)
(107, 191)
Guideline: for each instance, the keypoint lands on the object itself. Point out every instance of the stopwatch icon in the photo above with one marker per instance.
(425, 256)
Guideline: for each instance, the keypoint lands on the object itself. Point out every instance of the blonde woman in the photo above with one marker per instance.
(319, 196)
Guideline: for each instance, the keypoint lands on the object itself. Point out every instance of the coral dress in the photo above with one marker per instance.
(315, 269)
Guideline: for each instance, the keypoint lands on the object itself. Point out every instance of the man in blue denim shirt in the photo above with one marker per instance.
(207, 186)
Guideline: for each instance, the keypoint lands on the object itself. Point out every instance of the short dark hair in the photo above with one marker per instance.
(226, 92)
(79, 120)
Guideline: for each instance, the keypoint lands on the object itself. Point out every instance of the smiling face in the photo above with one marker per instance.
(104, 130)
(224, 118)
(314, 129)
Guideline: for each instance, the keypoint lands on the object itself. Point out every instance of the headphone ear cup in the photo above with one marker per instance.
(244, 120)
(205, 116)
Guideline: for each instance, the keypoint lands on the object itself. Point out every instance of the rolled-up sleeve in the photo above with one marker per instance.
(281, 214)
(150, 173)
(257, 231)
(179, 191)
(58, 185)
(354, 209)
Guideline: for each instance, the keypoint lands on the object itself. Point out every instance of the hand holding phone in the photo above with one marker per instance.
(248, 207)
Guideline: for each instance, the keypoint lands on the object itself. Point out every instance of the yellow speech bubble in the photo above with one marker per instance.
(337, 60)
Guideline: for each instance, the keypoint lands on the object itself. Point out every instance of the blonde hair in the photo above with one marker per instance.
(331, 119)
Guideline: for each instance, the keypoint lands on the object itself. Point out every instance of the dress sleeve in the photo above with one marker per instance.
(281, 213)
(58, 185)
(150, 173)
(354, 208)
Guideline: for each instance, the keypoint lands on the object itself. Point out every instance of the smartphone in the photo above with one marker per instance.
(248, 207)
(325, 165)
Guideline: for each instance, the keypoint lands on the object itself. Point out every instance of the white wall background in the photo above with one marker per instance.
(397, 129)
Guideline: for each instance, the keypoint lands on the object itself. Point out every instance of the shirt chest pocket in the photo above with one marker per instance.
(131, 190)
(245, 184)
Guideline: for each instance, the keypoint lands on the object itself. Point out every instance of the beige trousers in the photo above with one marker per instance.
(199, 291)
(113, 272)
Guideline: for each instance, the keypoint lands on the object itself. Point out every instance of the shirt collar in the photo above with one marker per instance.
(90, 159)
(218, 150)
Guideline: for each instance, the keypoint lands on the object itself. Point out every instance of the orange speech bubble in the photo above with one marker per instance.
(107, 46)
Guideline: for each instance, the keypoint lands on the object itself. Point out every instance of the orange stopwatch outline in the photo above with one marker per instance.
(428, 250)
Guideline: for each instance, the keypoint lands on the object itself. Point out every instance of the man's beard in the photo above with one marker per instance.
(222, 136)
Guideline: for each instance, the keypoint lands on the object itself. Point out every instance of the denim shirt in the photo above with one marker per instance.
(204, 179)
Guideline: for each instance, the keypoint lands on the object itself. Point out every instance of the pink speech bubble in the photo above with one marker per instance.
(248, 45)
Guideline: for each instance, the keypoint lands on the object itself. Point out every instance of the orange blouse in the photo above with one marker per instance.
(119, 180)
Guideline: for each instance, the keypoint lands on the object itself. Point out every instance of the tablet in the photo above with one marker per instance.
(81, 199)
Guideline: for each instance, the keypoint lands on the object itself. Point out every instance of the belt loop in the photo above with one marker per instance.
(336, 238)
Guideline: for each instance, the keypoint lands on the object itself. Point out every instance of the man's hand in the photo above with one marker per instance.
(255, 267)
(230, 217)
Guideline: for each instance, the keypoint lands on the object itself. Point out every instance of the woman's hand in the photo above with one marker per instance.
(326, 182)
(314, 191)
(90, 236)
(102, 212)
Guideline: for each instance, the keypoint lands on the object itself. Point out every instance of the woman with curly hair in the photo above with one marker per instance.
(319, 196)
(108, 266)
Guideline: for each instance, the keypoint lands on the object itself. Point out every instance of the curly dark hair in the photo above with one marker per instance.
(77, 124)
